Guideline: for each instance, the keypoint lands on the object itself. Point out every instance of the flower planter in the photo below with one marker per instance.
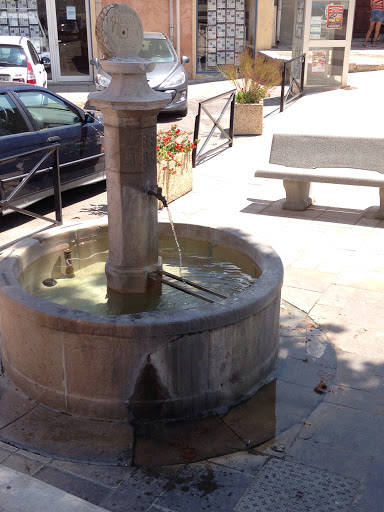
(175, 184)
(248, 119)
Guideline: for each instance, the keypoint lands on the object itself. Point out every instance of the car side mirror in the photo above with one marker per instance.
(184, 60)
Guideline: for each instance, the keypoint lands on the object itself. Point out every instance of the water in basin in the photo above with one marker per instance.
(218, 268)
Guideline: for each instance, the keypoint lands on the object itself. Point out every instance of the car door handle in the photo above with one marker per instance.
(55, 138)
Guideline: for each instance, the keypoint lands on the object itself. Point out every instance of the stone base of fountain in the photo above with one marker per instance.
(153, 365)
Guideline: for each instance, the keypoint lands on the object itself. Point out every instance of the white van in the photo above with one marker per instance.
(19, 62)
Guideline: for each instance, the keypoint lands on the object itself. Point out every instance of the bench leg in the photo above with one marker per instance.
(380, 212)
(297, 195)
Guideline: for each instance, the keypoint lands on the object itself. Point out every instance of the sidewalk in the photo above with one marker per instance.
(324, 451)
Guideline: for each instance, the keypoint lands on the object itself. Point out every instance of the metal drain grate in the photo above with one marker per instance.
(287, 487)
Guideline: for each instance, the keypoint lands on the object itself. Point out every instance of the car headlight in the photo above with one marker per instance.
(174, 80)
(103, 80)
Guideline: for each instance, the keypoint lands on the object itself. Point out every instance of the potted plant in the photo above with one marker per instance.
(174, 163)
(253, 77)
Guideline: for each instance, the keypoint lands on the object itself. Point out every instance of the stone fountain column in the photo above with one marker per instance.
(130, 109)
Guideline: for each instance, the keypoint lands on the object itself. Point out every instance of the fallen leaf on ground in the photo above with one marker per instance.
(321, 387)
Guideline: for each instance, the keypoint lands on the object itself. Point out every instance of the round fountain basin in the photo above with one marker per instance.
(148, 365)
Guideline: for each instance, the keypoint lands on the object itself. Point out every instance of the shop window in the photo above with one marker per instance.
(224, 29)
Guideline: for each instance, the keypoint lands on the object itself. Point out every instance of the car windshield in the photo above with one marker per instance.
(12, 56)
(158, 50)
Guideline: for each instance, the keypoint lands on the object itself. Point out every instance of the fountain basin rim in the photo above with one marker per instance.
(208, 316)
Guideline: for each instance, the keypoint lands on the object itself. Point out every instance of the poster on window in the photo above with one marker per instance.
(32, 4)
(315, 31)
(240, 17)
(239, 45)
(211, 5)
(212, 45)
(230, 57)
(231, 16)
(14, 31)
(220, 4)
(3, 4)
(221, 30)
(34, 29)
(240, 5)
(221, 57)
(32, 15)
(212, 32)
(211, 17)
(211, 59)
(231, 4)
(231, 30)
(11, 5)
(3, 18)
(335, 16)
(13, 19)
(22, 4)
(230, 43)
(319, 61)
(240, 31)
(221, 44)
(24, 32)
(220, 15)
(4, 30)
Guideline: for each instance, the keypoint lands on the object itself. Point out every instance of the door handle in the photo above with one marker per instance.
(55, 138)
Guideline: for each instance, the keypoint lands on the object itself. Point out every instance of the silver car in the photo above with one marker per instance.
(168, 76)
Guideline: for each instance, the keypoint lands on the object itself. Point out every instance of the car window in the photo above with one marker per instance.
(11, 121)
(47, 110)
(157, 50)
(33, 53)
(12, 56)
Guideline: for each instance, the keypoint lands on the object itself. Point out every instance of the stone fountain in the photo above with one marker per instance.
(149, 365)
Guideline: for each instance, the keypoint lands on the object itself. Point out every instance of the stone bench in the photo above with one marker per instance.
(299, 160)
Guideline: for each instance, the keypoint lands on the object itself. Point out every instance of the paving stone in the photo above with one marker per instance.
(357, 340)
(23, 464)
(180, 442)
(247, 462)
(109, 476)
(12, 403)
(280, 442)
(204, 486)
(343, 462)
(306, 372)
(345, 428)
(353, 370)
(274, 409)
(59, 435)
(303, 299)
(137, 493)
(356, 399)
(4, 454)
(285, 486)
(370, 497)
(80, 487)
(308, 279)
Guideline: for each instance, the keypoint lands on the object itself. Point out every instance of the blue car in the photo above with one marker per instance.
(31, 118)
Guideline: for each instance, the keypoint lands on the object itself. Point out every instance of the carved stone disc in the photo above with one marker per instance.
(119, 32)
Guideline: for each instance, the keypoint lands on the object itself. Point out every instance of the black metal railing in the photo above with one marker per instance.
(7, 202)
(199, 154)
(293, 76)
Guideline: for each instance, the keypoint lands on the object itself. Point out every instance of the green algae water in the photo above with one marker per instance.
(217, 268)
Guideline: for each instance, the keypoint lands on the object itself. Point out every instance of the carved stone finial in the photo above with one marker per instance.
(119, 32)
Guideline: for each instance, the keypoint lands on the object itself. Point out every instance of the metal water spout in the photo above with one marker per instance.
(130, 108)
(159, 195)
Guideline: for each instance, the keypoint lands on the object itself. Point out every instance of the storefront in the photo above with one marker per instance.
(59, 30)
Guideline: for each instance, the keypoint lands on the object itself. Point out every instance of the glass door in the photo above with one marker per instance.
(69, 38)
